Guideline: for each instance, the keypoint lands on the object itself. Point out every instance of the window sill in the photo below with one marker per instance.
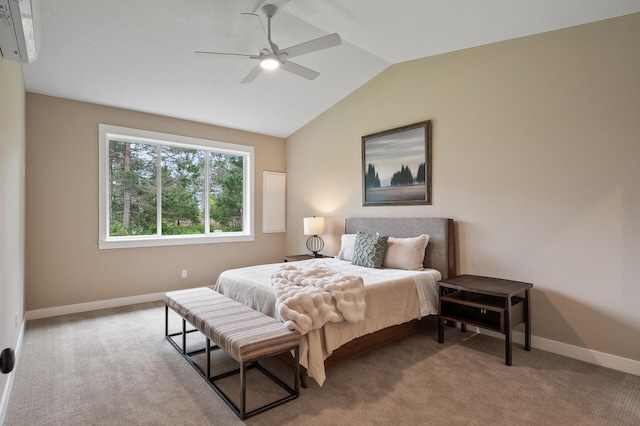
(177, 240)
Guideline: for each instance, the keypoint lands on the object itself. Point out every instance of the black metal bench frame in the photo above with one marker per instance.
(240, 411)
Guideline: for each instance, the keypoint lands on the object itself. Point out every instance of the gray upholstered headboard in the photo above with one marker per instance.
(440, 252)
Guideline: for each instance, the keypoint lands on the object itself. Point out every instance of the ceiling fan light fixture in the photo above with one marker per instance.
(269, 63)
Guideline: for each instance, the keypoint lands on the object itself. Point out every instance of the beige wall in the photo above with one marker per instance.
(536, 143)
(12, 192)
(64, 265)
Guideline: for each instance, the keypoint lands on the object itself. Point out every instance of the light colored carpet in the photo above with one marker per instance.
(114, 367)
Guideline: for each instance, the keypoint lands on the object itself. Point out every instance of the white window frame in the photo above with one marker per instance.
(107, 132)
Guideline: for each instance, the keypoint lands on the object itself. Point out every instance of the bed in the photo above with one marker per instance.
(397, 300)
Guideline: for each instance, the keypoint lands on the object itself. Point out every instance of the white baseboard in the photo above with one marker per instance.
(4, 401)
(92, 306)
(583, 354)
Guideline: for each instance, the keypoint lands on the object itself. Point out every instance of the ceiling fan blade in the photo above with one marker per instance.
(200, 52)
(298, 70)
(313, 45)
(252, 74)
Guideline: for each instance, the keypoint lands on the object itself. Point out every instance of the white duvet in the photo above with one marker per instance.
(392, 297)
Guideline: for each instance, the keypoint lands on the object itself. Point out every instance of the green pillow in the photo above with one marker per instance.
(369, 250)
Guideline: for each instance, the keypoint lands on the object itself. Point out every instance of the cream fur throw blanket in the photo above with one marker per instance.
(309, 297)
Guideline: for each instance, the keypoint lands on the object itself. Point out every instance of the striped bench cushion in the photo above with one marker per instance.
(242, 332)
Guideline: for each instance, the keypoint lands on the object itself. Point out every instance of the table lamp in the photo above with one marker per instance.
(314, 226)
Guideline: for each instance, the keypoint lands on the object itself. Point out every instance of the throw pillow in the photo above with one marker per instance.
(369, 250)
(347, 243)
(406, 253)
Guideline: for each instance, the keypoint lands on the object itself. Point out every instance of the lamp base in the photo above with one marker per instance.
(314, 245)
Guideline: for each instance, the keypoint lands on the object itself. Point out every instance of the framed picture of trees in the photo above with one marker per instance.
(396, 166)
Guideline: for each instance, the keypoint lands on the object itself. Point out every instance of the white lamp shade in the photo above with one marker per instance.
(313, 225)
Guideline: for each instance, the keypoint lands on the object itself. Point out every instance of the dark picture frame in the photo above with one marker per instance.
(396, 166)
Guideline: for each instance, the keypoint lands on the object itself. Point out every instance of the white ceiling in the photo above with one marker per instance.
(139, 55)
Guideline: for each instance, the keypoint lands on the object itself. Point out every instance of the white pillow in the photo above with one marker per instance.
(405, 253)
(347, 244)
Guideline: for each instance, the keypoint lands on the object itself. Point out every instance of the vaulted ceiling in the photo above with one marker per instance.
(139, 55)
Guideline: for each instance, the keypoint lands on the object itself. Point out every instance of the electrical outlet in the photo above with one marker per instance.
(184, 273)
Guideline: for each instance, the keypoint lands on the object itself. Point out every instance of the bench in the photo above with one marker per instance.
(243, 333)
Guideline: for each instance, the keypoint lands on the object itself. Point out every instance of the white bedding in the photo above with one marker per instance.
(393, 297)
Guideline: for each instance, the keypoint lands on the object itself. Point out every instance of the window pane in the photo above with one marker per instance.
(132, 189)
(226, 192)
(182, 191)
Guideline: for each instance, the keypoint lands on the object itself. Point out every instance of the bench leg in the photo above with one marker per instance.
(243, 390)
(208, 350)
(296, 370)
(184, 336)
(289, 358)
(166, 320)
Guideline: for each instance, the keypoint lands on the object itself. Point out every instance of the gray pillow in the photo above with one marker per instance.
(369, 250)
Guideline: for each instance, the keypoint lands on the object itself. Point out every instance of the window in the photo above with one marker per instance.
(160, 189)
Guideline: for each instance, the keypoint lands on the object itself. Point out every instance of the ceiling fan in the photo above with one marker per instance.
(273, 57)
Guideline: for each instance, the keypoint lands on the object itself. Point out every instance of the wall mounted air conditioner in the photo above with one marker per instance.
(19, 30)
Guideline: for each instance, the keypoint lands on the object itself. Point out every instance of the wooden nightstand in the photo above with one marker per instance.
(484, 302)
(296, 257)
